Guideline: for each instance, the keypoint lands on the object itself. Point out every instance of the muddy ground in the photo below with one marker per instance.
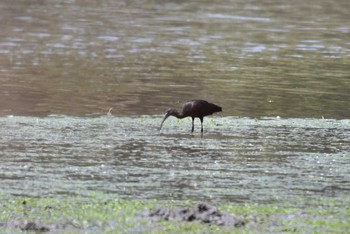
(202, 213)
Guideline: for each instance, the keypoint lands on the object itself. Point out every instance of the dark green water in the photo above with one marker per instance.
(280, 70)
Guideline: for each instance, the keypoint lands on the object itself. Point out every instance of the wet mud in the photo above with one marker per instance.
(34, 226)
(203, 213)
(37, 226)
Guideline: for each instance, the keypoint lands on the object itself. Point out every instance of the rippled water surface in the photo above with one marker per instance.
(237, 159)
(255, 58)
(279, 69)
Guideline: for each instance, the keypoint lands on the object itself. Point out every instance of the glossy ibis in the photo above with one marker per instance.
(193, 108)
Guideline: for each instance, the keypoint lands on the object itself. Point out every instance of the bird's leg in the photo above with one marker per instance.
(192, 124)
(201, 124)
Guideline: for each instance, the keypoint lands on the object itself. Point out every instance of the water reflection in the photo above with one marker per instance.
(255, 59)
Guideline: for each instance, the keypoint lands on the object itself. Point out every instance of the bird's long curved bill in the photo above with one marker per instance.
(165, 117)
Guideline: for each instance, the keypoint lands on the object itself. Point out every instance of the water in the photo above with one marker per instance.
(237, 159)
(254, 58)
(280, 71)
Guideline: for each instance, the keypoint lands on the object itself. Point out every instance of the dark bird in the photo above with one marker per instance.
(194, 109)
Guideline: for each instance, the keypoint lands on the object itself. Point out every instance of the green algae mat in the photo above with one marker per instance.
(107, 214)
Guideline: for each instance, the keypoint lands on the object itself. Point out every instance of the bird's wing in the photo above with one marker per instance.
(187, 108)
(194, 108)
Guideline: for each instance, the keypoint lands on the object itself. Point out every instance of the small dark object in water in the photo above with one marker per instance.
(194, 109)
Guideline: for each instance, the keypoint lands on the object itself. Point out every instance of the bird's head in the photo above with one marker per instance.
(168, 113)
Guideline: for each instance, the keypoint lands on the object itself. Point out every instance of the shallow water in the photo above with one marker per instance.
(276, 68)
(237, 159)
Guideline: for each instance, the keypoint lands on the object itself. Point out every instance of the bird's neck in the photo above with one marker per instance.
(178, 115)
